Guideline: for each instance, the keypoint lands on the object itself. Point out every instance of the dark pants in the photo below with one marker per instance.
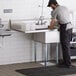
(65, 38)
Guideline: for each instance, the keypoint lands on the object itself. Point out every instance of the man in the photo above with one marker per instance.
(61, 15)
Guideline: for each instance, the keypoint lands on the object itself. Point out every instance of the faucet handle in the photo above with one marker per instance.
(41, 17)
(45, 22)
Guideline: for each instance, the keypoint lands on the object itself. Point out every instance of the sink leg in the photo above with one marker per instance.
(57, 53)
(35, 51)
(46, 54)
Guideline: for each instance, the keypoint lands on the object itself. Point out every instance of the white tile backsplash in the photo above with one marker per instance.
(15, 48)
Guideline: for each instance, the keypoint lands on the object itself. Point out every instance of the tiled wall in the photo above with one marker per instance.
(16, 48)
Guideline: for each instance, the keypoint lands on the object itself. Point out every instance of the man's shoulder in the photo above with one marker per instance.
(62, 7)
(59, 8)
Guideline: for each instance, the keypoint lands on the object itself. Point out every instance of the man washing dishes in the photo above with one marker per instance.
(62, 16)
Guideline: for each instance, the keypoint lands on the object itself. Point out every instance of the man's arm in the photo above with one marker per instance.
(52, 24)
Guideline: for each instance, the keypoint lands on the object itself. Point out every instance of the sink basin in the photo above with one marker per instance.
(41, 26)
(41, 29)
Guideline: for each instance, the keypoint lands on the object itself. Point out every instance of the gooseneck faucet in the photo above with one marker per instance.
(41, 18)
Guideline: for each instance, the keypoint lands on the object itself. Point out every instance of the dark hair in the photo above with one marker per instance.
(52, 2)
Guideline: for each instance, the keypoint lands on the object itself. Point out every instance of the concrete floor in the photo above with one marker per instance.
(9, 70)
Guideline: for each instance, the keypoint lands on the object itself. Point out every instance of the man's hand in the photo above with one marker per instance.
(52, 24)
(50, 27)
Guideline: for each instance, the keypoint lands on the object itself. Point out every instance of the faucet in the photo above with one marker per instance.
(41, 21)
(41, 18)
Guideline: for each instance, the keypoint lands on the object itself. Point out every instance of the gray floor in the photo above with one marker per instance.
(9, 70)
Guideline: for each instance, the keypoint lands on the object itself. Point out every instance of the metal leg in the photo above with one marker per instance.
(57, 53)
(46, 54)
(35, 51)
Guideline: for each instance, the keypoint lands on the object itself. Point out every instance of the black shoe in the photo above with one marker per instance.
(61, 63)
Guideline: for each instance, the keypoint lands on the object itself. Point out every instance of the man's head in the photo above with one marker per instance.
(52, 3)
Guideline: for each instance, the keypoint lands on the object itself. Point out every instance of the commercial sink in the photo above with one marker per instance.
(45, 37)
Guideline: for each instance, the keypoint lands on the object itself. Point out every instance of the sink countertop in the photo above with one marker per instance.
(45, 30)
(37, 31)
